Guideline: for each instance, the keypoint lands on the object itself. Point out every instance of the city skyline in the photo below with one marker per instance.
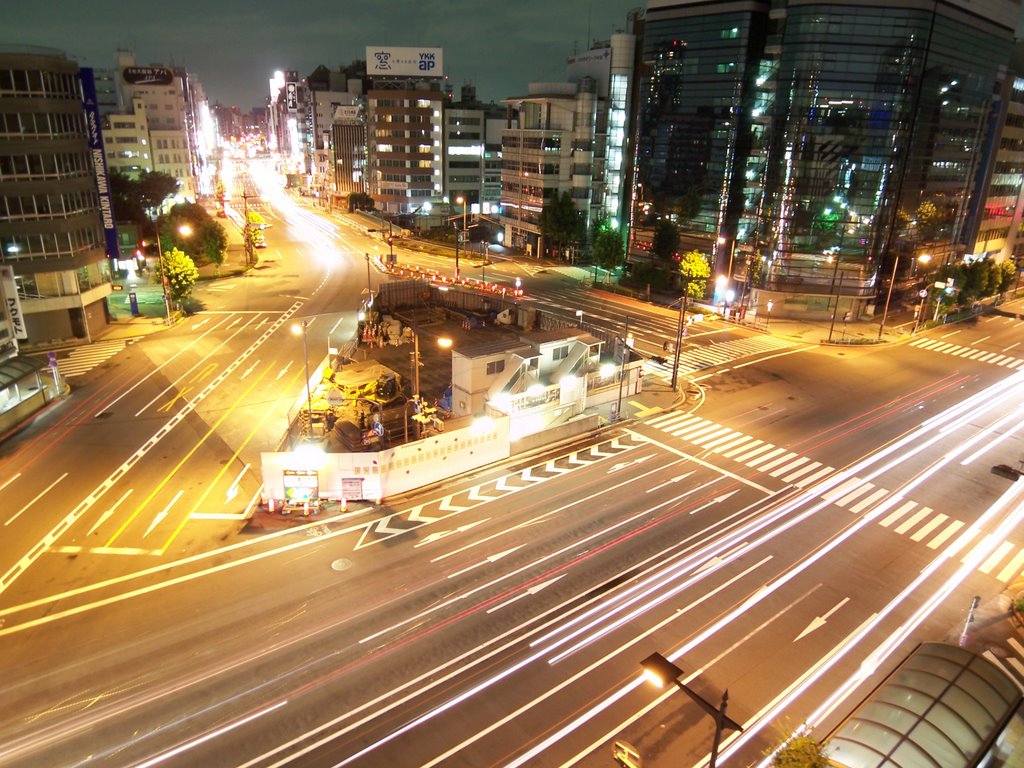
(497, 48)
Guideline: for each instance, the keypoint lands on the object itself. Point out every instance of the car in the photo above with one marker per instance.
(1005, 470)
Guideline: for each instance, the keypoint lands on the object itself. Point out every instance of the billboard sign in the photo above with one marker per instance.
(9, 291)
(147, 75)
(93, 125)
(291, 96)
(404, 62)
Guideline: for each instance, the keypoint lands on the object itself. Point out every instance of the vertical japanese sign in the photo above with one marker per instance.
(9, 291)
(99, 160)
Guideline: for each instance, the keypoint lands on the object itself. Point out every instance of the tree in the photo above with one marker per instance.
(666, 239)
(800, 752)
(154, 187)
(561, 223)
(1007, 274)
(208, 239)
(608, 248)
(137, 200)
(694, 272)
(181, 274)
(360, 201)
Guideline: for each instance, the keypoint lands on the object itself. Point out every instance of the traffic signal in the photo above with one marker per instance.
(391, 239)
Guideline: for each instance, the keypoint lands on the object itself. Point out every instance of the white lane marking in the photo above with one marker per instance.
(106, 515)
(162, 514)
(37, 498)
(10, 481)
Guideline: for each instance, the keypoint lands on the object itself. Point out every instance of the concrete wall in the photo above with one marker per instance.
(374, 476)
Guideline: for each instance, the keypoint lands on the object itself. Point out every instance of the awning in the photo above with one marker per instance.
(15, 369)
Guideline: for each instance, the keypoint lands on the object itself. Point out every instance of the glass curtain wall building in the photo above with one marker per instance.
(821, 140)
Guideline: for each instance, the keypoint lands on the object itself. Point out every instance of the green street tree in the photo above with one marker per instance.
(181, 274)
(208, 241)
(560, 223)
(666, 239)
(1007, 272)
(608, 248)
(694, 272)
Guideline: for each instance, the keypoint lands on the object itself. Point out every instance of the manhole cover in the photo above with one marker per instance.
(341, 564)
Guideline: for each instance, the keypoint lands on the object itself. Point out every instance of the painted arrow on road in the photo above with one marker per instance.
(525, 593)
(675, 479)
(624, 464)
(489, 559)
(717, 500)
(819, 621)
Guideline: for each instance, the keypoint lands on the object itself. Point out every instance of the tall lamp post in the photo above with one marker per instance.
(300, 328)
(185, 230)
(661, 671)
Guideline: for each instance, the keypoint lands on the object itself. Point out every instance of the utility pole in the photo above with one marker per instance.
(249, 256)
(622, 368)
(369, 289)
(679, 332)
(456, 228)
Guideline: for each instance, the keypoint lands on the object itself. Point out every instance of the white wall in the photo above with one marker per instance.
(395, 470)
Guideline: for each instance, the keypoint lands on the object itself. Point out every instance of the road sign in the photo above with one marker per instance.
(922, 293)
(335, 397)
(51, 359)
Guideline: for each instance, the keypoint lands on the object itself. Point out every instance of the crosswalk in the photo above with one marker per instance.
(967, 353)
(82, 360)
(921, 524)
(698, 358)
(1012, 663)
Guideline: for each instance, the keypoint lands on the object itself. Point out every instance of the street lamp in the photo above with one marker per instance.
(461, 201)
(183, 229)
(661, 671)
(300, 328)
(924, 259)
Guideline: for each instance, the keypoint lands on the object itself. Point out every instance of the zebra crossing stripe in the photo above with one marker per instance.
(1012, 568)
(781, 460)
(811, 479)
(857, 492)
(1015, 363)
(743, 457)
(727, 438)
(913, 520)
(996, 557)
(710, 435)
(767, 456)
(802, 471)
(860, 506)
(742, 448)
(741, 440)
(897, 514)
(792, 465)
(986, 541)
(939, 540)
(930, 526)
(985, 358)
(693, 431)
(843, 489)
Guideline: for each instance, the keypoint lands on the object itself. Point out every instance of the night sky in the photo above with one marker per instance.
(234, 46)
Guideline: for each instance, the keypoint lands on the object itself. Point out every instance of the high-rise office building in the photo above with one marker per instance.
(808, 144)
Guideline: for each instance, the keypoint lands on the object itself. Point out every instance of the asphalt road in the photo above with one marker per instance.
(763, 539)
